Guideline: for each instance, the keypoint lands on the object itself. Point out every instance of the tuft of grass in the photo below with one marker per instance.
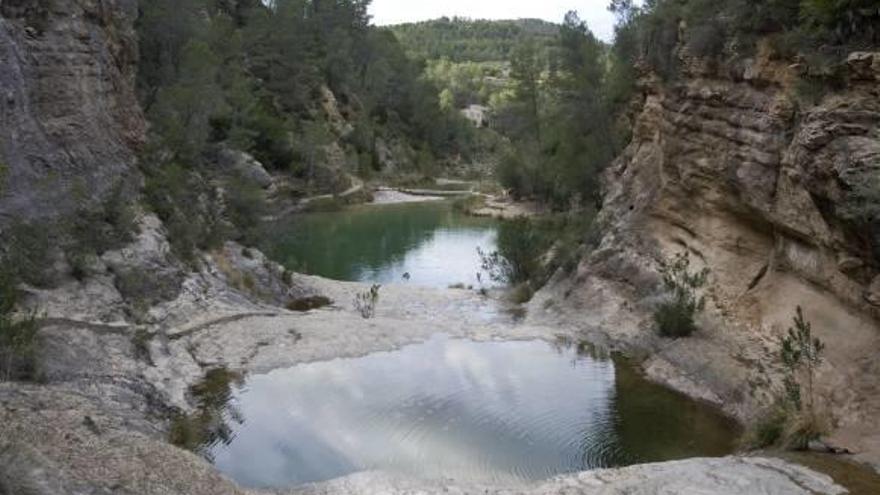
(366, 302)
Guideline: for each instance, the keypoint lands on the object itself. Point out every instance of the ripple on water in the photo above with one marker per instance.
(490, 412)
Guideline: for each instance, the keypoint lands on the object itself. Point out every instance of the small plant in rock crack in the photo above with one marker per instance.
(365, 302)
(675, 315)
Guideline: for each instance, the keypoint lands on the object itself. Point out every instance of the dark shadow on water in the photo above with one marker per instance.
(211, 424)
(859, 479)
(655, 423)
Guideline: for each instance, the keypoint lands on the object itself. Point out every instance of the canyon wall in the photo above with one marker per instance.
(730, 165)
(70, 123)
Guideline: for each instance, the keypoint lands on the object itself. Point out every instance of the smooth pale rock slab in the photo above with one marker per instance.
(722, 476)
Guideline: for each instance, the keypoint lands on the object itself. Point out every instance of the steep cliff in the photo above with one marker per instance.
(69, 119)
(732, 167)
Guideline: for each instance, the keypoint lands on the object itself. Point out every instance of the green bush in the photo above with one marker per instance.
(674, 317)
(674, 320)
(188, 205)
(768, 430)
(28, 252)
(800, 354)
(245, 206)
(18, 333)
(109, 225)
(793, 420)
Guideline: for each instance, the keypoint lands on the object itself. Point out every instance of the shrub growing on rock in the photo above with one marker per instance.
(18, 334)
(793, 420)
(675, 315)
(27, 250)
(800, 354)
(365, 302)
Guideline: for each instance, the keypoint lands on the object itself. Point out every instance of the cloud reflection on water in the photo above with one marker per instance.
(483, 411)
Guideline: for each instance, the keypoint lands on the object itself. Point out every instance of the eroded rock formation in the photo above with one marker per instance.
(733, 169)
(69, 119)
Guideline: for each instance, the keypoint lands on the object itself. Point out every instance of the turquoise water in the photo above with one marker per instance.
(435, 245)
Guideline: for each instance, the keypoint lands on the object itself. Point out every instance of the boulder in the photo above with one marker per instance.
(245, 165)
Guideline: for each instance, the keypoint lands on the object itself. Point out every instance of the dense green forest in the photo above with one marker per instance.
(251, 77)
(467, 40)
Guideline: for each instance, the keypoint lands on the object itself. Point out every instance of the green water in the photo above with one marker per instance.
(431, 242)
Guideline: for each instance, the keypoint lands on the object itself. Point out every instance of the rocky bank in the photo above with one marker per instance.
(99, 420)
(732, 166)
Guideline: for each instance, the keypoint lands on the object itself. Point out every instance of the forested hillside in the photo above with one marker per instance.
(467, 40)
(308, 88)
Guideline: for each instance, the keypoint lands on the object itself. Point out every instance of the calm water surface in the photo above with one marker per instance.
(380, 243)
(492, 411)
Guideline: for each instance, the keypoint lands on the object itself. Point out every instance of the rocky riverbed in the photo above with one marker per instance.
(111, 382)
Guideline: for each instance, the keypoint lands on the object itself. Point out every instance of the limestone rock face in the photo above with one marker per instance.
(69, 118)
(736, 171)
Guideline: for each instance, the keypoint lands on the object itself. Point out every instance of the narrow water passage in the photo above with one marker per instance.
(490, 411)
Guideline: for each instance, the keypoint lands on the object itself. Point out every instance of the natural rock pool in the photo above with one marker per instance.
(430, 241)
(446, 408)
